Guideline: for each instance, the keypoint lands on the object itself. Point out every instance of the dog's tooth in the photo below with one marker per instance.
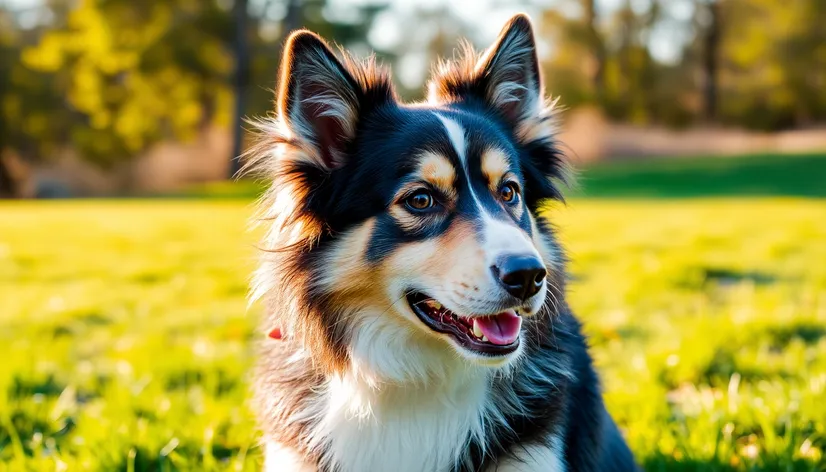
(476, 331)
(436, 304)
(484, 339)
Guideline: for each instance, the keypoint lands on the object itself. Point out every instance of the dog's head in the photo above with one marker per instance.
(403, 235)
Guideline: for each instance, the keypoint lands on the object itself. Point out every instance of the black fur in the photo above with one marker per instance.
(570, 406)
(361, 165)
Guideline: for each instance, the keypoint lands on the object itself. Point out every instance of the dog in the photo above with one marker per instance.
(415, 295)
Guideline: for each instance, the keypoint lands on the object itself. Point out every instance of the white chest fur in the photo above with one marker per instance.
(425, 429)
(401, 429)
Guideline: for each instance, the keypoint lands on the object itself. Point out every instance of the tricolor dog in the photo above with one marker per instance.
(417, 293)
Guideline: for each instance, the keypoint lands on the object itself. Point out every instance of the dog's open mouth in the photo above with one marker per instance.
(493, 335)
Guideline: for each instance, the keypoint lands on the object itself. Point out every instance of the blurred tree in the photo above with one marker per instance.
(31, 107)
(276, 18)
(754, 63)
(709, 11)
(574, 70)
(110, 77)
(597, 47)
(241, 83)
(773, 63)
(133, 73)
(607, 62)
(269, 28)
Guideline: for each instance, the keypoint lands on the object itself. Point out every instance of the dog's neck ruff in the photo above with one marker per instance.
(461, 421)
(369, 425)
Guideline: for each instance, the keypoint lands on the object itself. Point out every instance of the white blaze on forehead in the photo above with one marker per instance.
(456, 135)
(457, 138)
(499, 237)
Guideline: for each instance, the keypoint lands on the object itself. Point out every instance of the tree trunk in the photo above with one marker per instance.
(241, 82)
(14, 174)
(596, 46)
(292, 20)
(711, 54)
(8, 186)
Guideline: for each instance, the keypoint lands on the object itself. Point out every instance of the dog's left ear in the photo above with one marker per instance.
(506, 76)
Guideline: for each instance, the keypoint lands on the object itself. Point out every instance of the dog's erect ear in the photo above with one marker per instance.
(318, 99)
(510, 70)
(506, 80)
(321, 103)
(506, 77)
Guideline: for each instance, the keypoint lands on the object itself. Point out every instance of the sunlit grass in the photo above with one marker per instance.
(125, 339)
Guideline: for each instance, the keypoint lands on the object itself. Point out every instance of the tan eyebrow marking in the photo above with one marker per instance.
(494, 165)
(437, 170)
(404, 218)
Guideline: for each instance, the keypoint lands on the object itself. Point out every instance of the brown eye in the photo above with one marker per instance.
(509, 192)
(419, 201)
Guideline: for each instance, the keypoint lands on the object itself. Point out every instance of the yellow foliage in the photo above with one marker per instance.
(103, 55)
(48, 56)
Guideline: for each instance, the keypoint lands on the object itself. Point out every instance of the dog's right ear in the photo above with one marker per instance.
(318, 100)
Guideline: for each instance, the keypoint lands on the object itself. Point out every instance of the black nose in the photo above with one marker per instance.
(522, 276)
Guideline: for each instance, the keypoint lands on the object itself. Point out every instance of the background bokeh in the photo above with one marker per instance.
(697, 228)
(113, 97)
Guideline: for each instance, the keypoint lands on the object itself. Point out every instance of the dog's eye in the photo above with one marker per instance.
(509, 193)
(421, 200)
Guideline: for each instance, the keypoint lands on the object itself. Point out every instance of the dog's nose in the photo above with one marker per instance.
(521, 276)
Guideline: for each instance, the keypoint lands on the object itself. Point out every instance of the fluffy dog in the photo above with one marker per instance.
(418, 295)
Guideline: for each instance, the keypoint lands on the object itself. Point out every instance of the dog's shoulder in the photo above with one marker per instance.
(592, 440)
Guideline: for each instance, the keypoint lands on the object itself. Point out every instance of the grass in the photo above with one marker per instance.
(124, 336)
(753, 175)
(125, 340)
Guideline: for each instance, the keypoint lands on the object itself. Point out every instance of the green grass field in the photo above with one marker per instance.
(125, 338)
(791, 175)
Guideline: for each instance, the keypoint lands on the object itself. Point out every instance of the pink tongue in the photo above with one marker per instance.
(501, 329)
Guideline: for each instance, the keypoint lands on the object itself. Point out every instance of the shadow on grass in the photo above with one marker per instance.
(809, 333)
(703, 277)
(219, 381)
(184, 455)
(754, 175)
(664, 463)
(25, 387)
(726, 277)
(21, 426)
